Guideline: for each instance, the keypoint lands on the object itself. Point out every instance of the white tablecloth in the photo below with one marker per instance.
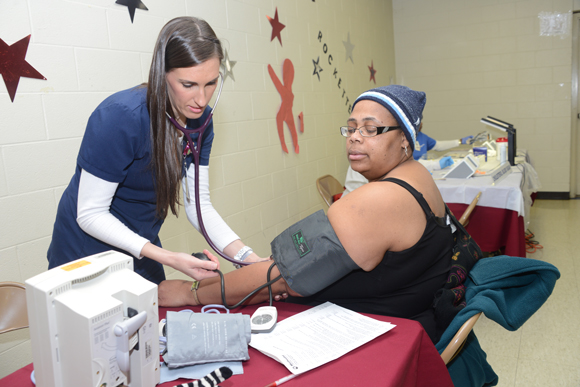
(506, 194)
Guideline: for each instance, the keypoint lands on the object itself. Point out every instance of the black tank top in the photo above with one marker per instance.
(404, 283)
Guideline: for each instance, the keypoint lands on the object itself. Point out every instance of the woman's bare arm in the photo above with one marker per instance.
(238, 284)
(376, 218)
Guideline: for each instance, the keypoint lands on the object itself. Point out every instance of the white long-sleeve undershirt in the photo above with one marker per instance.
(94, 217)
(444, 145)
(217, 229)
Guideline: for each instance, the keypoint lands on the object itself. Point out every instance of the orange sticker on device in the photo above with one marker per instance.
(75, 265)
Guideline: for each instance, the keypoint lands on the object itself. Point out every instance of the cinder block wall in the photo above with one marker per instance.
(89, 49)
(480, 58)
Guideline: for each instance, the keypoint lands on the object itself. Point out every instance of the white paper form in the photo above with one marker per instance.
(317, 336)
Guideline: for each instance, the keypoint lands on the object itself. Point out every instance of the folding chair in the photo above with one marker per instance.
(328, 186)
(464, 220)
(13, 314)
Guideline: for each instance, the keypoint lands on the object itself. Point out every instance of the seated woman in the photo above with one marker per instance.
(393, 228)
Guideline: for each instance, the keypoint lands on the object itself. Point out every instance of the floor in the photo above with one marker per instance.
(545, 351)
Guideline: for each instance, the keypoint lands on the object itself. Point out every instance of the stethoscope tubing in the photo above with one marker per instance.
(196, 151)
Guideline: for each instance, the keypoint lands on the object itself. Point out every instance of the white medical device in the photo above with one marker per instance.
(94, 322)
(463, 169)
(264, 319)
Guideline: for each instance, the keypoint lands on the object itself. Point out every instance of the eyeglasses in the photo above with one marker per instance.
(366, 130)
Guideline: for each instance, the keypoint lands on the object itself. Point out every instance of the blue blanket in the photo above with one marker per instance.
(508, 290)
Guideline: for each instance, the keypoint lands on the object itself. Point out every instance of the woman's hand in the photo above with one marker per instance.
(175, 293)
(194, 267)
(280, 297)
(185, 263)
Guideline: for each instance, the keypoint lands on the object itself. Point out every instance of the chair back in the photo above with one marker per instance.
(328, 186)
(456, 343)
(13, 314)
(464, 220)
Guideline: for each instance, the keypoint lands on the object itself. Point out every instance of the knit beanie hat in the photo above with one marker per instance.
(404, 104)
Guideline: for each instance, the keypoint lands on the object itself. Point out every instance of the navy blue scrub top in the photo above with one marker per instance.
(425, 142)
(116, 147)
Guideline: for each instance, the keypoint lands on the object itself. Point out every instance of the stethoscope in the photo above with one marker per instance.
(196, 150)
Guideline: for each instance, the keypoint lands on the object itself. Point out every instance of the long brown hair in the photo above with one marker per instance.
(183, 42)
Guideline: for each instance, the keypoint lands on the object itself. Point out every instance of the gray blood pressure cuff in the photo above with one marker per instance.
(196, 338)
(309, 255)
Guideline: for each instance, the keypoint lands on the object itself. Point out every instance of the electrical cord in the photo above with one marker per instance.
(532, 245)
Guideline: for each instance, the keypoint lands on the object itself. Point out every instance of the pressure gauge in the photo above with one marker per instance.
(264, 319)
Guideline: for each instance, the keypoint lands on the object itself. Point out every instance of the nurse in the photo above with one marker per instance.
(132, 162)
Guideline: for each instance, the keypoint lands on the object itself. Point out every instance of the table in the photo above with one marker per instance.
(404, 356)
(495, 229)
(499, 220)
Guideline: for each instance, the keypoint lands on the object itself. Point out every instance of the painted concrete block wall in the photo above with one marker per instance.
(89, 49)
(480, 58)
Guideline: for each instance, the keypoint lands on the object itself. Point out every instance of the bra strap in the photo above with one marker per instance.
(416, 194)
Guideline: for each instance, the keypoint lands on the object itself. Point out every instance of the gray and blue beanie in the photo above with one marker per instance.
(404, 104)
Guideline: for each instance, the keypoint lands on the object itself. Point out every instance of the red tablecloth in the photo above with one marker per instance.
(495, 229)
(404, 356)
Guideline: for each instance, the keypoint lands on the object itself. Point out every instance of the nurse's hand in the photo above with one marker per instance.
(445, 162)
(467, 140)
(185, 263)
(196, 268)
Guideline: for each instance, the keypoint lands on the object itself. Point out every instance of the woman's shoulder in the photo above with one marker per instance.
(134, 98)
(371, 198)
(122, 115)
(420, 179)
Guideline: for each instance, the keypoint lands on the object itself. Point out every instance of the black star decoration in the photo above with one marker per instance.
(317, 68)
(132, 5)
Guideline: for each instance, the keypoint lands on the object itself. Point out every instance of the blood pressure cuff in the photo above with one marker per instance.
(196, 338)
(310, 256)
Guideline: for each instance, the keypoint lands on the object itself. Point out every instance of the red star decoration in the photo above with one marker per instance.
(277, 27)
(373, 72)
(13, 66)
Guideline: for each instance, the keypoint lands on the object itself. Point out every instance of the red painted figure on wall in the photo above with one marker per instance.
(285, 111)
